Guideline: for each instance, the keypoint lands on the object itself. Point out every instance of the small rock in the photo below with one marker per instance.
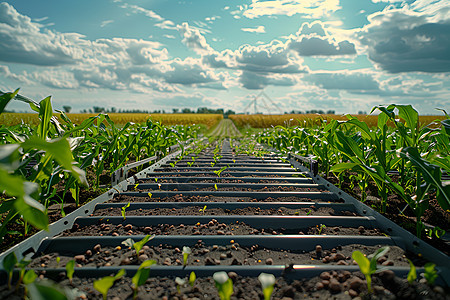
(352, 293)
(235, 262)
(147, 229)
(88, 253)
(79, 258)
(223, 256)
(387, 275)
(97, 248)
(233, 276)
(167, 261)
(209, 261)
(335, 286)
(319, 286)
(125, 261)
(269, 261)
(339, 256)
(115, 234)
(379, 290)
(217, 262)
(382, 259)
(356, 283)
(342, 263)
(318, 249)
(325, 276)
(388, 263)
(325, 283)
(143, 257)
(220, 232)
(128, 227)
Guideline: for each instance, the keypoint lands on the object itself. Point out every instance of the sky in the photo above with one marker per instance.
(341, 55)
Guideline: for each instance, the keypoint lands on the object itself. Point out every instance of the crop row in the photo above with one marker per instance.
(50, 163)
(406, 159)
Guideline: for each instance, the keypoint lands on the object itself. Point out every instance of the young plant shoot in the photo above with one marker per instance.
(141, 275)
(137, 245)
(70, 269)
(224, 285)
(267, 282)
(186, 252)
(104, 284)
(123, 209)
(369, 267)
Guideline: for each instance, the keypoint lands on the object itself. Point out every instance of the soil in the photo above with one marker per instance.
(249, 189)
(212, 228)
(231, 254)
(198, 211)
(336, 285)
(221, 180)
(181, 198)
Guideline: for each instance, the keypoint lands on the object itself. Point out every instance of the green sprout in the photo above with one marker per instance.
(186, 252)
(218, 172)
(29, 277)
(215, 186)
(58, 260)
(412, 274)
(430, 273)
(135, 186)
(149, 194)
(322, 227)
(22, 264)
(141, 275)
(104, 284)
(309, 212)
(137, 245)
(156, 180)
(192, 278)
(9, 262)
(123, 210)
(70, 269)
(267, 282)
(202, 210)
(369, 267)
(180, 282)
(224, 285)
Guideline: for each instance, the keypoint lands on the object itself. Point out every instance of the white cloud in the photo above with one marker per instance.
(194, 39)
(137, 9)
(313, 40)
(313, 9)
(259, 29)
(408, 40)
(169, 36)
(167, 24)
(106, 22)
(344, 80)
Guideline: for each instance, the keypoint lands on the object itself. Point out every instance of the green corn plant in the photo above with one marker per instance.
(186, 252)
(369, 267)
(224, 285)
(412, 274)
(141, 276)
(321, 228)
(9, 262)
(138, 245)
(29, 277)
(192, 278)
(22, 264)
(267, 282)
(218, 172)
(202, 210)
(104, 284)
(70, 269)
(430, 273)
(123, 210)
(180, 283)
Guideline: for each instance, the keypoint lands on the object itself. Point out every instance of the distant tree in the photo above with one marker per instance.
(186, 111)
(175, 110)
(113, 109)
(361, 112)
(67, 108)
(98, 109)
(331, 112)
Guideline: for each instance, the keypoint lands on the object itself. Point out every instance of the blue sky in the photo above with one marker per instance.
(342, 55)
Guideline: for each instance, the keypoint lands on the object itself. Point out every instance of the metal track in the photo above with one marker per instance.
(185, 180)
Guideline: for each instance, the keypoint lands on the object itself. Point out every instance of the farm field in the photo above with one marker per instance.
(243, 206)
(10, 119)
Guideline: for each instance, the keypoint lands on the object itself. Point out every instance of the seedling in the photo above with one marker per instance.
(430, 273)
(29, 277)
(224, 285)
(9, 262)
(123, 210)
(135, 186)
(322, 227)
(192, 278)
(180, 282)
(156, 180)
(137, 245)
(186, 252)
(58, 260)
(309, 212)
(104, 284)
(215, 186)
(267, 282)
(218, 172)
(70, 269)
(149, 194)
(202, 210)
(189, 163)
(172, 165)
(22, 265)
(141, 276)
(369, 267)
(412, 274)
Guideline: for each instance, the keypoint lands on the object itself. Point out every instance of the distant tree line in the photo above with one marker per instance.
(200, 110)
(313, 111)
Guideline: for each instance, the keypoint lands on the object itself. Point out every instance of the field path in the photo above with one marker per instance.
(226, 128)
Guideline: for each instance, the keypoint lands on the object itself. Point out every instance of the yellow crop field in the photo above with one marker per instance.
(209, 120)
(266, 121)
